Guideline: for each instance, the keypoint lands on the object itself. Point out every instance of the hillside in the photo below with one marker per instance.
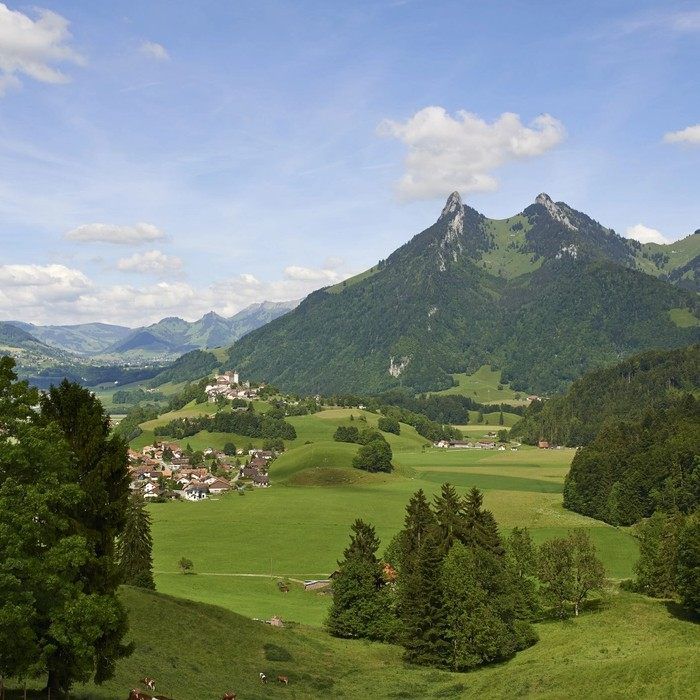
(544, 296)
(623, 391)
(677, 262)
(82, 339)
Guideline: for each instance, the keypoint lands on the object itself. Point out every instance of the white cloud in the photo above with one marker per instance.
(155, 50)
(113, 233)
(691, 135)
(32, 47)
(645, 234)
(24, 288)
(309, 274)
(447, 153)
(59, 294)
(150, 262)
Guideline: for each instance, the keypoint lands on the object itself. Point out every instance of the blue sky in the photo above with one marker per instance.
(235, 152)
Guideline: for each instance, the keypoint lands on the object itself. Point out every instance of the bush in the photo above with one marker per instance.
(375, 456)
(389, 425)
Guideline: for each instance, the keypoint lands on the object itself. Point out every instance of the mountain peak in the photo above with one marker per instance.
(554, 210)
(452, 206)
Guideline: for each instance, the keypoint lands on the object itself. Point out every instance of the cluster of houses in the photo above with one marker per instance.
(163, 470)
(230, 387)
(474, 445)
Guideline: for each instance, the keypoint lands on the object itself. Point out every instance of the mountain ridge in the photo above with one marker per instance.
(543, 295)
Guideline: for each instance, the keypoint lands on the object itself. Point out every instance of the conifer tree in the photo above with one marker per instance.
(423, 636)
(449, 513)
(360, 601)
(135, 545)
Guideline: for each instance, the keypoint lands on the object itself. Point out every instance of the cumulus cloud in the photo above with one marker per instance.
(691, 135)
(150, 262)
(59, 294)
(113, 233)
(645, 234)
(32, 47)
(447, 153)
(154, 50)
(23, 288)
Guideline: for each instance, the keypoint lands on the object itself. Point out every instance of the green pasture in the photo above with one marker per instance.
(625, 646)
(482, 386)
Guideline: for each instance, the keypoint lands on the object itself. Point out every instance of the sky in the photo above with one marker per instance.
(170, 158)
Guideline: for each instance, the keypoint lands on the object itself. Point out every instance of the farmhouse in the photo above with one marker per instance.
(196, 492)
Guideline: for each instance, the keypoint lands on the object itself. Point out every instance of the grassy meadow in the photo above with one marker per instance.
(626, 646)
(482, 386)
(297, 529)
(203, 634)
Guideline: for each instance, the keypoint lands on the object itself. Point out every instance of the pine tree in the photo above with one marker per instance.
(135, 545)
(688, 564)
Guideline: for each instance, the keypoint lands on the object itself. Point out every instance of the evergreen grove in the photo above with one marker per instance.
(451, 590)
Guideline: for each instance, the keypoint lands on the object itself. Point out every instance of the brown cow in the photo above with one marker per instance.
(137, 694)
(283, 679)
(229, 696)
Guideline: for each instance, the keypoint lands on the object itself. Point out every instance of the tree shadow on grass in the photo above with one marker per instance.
(681, 613)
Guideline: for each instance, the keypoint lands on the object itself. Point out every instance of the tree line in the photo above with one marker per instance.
(451, 590)
(248, 423)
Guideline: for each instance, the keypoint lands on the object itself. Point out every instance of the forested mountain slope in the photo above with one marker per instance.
(545, 295)
(627, 390)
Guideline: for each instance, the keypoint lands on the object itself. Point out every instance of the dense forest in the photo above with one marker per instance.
(624, 391)
(634, 467)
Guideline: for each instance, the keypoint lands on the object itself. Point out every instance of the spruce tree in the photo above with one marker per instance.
(360, 599)
(424, 633)
(449, 513)
(135, 545)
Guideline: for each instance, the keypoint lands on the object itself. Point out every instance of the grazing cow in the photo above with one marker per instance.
(229, 696)
(150, 683)
(263, 677)
(283, 679)
(137, 694)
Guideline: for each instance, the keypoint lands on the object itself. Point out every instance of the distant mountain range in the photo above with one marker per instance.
(94, 353)
(166, 339)
(544, 295)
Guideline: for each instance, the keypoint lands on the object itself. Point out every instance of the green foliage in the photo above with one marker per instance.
(360, 597)
(130, 426)
(247, 423)
(457, 596)
(657, 566)
(570, 571)
(688, 564)
(633, 468)
(624, 391)
(347, 433)
(389, 425)
(374, 456)
(63, 497)
(229, 449)
(135, 545)
(185, 565)
(136, 396)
